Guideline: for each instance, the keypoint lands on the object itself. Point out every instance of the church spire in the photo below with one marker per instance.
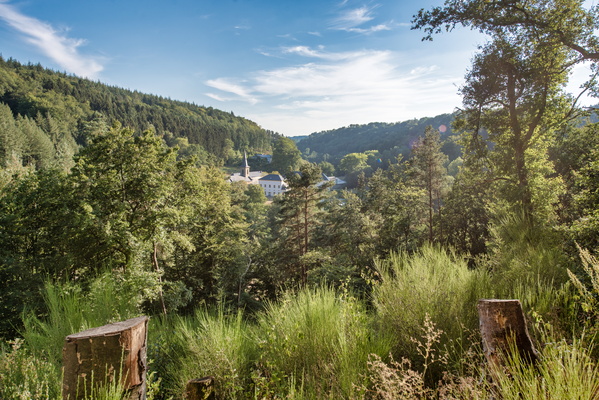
(245, 168)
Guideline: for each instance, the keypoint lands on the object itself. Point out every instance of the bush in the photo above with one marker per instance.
(25, 377)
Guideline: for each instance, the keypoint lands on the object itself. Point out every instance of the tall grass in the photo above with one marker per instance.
(71, 310)
(24, 376)
(34, 365)
(565, 371)
(206, 344)
(316, 342)
(434, 283)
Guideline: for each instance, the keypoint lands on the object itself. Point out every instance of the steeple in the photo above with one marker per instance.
(245, 168)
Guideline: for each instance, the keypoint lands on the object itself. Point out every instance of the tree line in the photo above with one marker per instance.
(74, 105)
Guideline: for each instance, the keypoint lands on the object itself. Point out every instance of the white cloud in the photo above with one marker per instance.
(230, 87)
(352, 18)
(306, 51)
(61, 49)
(351, 21)
(333, 88)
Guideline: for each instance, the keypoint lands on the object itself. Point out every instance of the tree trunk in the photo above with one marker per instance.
(503, 327)
(96, 357)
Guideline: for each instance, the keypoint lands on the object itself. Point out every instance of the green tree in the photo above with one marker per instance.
(349, 235)
(395, 207)
(514, 89)
(13, 142)
(285, 156)
(210, 247)
(352, 166)
(327, 168)
(125, 183)
(353, 163)
(429, 173)
(36, 225)
(299, 216)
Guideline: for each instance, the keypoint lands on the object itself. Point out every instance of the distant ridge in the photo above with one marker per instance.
(390, 139)
(72, 103)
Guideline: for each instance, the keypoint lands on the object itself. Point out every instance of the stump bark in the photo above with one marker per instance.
(200, 389)
(96, 357)
(503, 327)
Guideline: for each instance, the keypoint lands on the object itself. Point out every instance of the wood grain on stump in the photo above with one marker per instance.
(97, 356)
(503, 328)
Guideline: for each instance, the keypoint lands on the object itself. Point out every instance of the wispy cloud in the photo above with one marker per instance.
(60, 48)
(352, 21)
(352, 18)
(361, 86)
(320, 53)
(227, 86)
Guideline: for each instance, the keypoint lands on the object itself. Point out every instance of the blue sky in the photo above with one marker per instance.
(294, 67)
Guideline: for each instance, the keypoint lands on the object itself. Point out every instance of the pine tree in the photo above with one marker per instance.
(429, 173)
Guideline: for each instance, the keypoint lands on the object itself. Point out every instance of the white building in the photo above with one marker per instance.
(273, 184)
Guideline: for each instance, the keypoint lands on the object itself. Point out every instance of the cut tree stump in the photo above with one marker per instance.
(95, 357)
(503, 327)
(200, 389)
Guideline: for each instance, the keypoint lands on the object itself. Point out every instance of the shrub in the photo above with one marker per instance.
(25, 377)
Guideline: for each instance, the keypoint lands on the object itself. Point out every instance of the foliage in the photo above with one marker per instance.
(587, 285)
(285, 156)
(211, 344)
(565, 371)
(24, 376)
(395, 208)
(318, 342)
(70, 309)
(434, 283)
(429, 173)
(298, 218)
(63, 106)
(514, 89)
(390, 139)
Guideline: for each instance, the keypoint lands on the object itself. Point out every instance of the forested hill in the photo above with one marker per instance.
(67, 105)
(390, 139)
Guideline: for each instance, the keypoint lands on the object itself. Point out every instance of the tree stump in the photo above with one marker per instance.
(503, 327)
(96, 357)
(200, 389)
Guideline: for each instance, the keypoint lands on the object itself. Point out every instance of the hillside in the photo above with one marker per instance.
(390, 139)
(72, 104)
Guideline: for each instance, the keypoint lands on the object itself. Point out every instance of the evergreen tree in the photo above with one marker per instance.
(299, 216)
(429, 173)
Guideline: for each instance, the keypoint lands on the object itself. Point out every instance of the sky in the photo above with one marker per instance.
(293, 67)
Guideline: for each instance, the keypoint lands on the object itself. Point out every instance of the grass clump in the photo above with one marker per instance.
(315, 342)
(565, 371)
(435, 284)
(206, 344)
(24, 376)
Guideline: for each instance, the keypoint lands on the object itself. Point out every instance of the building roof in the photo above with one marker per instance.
(273, 177)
